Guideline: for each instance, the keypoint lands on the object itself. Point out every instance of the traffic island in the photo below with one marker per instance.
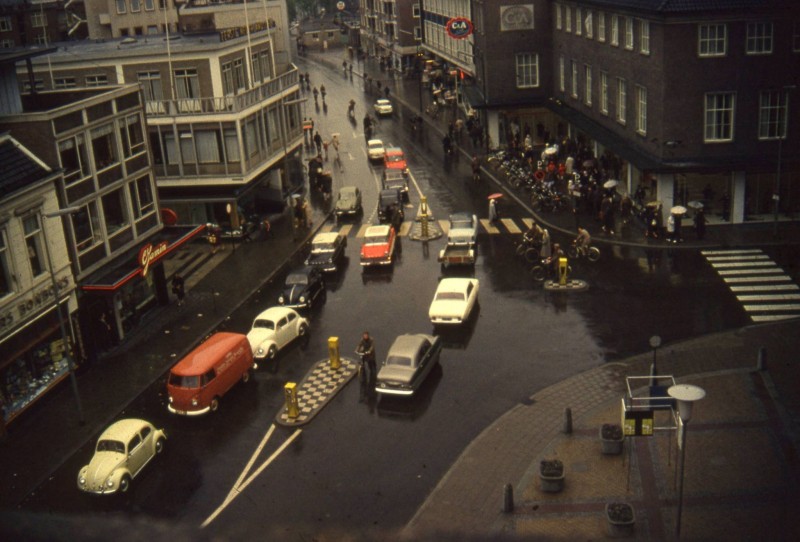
(320, 385)
(571, 285)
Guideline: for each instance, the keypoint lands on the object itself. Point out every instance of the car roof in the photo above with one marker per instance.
(382, 101)
(458, 217)
(123, 429)
(454, 284)
(326, 237)
(375, 231)
(273, 313)
(348, 190)
(408, 344)
(375, 142)
(206, 354)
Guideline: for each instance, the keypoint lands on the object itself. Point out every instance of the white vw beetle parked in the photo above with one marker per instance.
(453, 301)
(273, 329)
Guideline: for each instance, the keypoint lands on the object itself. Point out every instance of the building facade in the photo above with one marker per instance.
(391, 31)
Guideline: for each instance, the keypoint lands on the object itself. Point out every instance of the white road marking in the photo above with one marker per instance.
(782, 278)
(770, 271)
(742, 258)
(345, 229)
(769, 297)
(445, 225)
(362, 230)
(770, 308)
(414, 182)
(488, 226)
(765, 288)
(743, 264)
(742, 251)
(510, 225)
(327, 228)
(771, 317)
(404, 228)
(529, 222)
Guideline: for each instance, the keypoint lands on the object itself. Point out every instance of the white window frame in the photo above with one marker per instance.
(604, 93)
(760, 38)
(578, 21)
(628, 34)
(6, 24)
(712, 46)
(136, 6)
(772, 114)
(587, 89)
(149, 5)
(122, 6)
(34, 244)
(97, 80)
(38, 19)
(415, 10)
(622, 103)
(615, 30)
(559, 21)
(527, 70)
(64, 82)
(574, 81)
(601, 26)
(719, 110)
(644, 37)
(589, 25)
(7, 44)
(568, 19)
(641, 110)
(562, 74)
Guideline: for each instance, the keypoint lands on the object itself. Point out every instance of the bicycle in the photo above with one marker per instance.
(529, 250)
(544, 269)
(589, 252)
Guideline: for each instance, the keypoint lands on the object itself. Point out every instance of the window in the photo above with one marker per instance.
(5, 26)
(589, 24)
(629, 33)
(74, 160)
(64, 82)
(587, 91)
(719, 117)
(418, 33)
(604, 93)
(601, 27)
(38, 19)
(142, 196)
(622, 95)
(415, 11)
(759, 38)
(208, 148)
(574, 79)
(187, 84)
(115, 210)
(37, 83)
(231, 146)
(132, 135)
(33, 243)
(712, 40)
(641, 110)
(6, 274)
(644, 37)
(134, 442)
(772, 113)
(104, 146)
(121, 7)
(96, 80)
(152, 29)
(527, 70)
(578, 22)
(615, 30)
(7, 44)
(568, 18)
(40, 39)
(86, 226)
(136, 6)
(151, 86)
(559, 22)
(149, 5)
(561, 74)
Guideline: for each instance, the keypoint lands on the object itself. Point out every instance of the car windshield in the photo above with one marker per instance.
(347, 196)
(263, 324)
(376, 239)
(444, 296)
(460, 223)
(399, 361)
(323, 247)
(394, 158)
(184, 381)
(110, 446)
(296, 279)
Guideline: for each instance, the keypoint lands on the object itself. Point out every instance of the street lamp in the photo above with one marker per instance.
(776, 197)
(686, 395)
(57, 297)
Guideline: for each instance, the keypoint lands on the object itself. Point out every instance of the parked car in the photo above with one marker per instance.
(378, 246)
(273, 329)
(395, 158)
(348, 202)
(397, 180)
(122, 451)
(327, 251)
(410, 359)
(453, 301)
(383, 107)
(390, 207)
(303, 288)
(375, 149)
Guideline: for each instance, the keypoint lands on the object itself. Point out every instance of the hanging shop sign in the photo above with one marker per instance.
(149, 254)
(459, 28)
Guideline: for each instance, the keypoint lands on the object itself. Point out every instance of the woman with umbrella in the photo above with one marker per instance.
(676, 214)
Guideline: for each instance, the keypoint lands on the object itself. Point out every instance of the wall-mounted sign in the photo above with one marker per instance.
(516, 17)
(459, 28)
(150, 254)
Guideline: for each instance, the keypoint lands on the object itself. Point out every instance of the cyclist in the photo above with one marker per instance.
(366, 349)
(582, 241)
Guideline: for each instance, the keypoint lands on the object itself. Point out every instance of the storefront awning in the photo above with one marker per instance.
(473, 96)
(138, 261)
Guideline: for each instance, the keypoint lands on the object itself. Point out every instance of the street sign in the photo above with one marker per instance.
(459, 28)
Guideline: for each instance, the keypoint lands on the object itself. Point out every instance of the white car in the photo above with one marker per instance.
(122, 451)
(383, 107)
(375, 149)
(273, 329)
(453, 301)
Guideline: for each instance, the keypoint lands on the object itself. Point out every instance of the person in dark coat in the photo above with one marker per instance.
(178, 288)
(700, 224)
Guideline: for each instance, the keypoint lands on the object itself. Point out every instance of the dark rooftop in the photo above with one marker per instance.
(19, 168)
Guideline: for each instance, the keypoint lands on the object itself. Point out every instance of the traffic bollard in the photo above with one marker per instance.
(568, 421)
(333, 353)
(290, 393)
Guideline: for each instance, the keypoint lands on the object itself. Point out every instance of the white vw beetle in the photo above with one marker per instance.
(453, 301)
(273, 329)
(122, 451)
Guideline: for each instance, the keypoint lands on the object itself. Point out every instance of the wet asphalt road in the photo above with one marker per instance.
(364, 465)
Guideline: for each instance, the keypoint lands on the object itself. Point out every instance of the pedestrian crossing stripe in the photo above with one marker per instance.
(404, 228)
(488, 226)
(345, 229)
(445, 226)
(763, 288)
(510, 225)
(504, 225)
(529, 222)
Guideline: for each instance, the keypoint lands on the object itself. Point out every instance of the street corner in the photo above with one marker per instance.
(321, 384)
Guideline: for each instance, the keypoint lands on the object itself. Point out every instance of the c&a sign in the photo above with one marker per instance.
(150, 254)
(459, 28)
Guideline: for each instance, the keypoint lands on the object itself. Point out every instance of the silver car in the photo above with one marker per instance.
(409, 361)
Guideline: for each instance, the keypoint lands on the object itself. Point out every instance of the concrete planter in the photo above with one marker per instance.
(620, 519)
(551, 475)
(611, 439)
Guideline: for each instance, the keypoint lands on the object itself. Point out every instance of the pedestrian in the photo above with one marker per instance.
(366, 348)
(725, 201)
(178, 288)
(607, 213)
(212, 239)
(299, 214)
(671, 229)
(318, 142)
(700, 223)
(325, 148)
(322, 92)
(316, 96)
(546, 249)
(386, 91)
(493, 210)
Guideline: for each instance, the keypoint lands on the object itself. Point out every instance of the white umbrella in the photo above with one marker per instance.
(610, 183)
(550, 150)
(678, 210)
(695, 204)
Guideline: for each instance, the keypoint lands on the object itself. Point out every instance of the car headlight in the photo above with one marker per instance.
(281, 300)
(110, 483)
(194, 401)
(260, 351)
(82, 481)
(302, 299)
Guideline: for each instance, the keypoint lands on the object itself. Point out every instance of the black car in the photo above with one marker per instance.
(390, 207)
(327, 251)
(396, 179)
(304, 288)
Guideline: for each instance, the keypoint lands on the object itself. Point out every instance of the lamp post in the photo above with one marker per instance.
(776, 197)
(655, 343)
(57, 297)
(686, 395)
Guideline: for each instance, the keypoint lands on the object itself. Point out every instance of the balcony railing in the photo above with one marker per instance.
(226, 104)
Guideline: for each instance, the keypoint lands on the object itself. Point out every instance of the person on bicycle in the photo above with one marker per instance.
(366, 349)
(583, 240)
(534, 236)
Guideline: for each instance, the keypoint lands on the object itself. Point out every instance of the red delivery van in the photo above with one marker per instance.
(198, 381)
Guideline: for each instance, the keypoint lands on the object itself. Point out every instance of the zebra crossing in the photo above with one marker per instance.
(764, 289)
(504, 226)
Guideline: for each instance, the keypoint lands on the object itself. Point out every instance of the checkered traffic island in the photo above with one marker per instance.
(320, 385)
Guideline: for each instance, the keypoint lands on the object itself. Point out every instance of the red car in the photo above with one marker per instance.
(378, 246)
(394, 158)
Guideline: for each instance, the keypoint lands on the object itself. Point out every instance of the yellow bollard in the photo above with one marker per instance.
(333, 353)
(562, 271)
(290, 393)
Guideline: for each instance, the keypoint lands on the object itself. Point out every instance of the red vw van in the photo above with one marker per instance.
(197, 382)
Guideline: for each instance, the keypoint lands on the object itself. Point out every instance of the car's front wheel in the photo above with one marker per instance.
(272, 352)
(124, 483)
(302, 330)
(159, 446)
(246, 376)
(214, 405)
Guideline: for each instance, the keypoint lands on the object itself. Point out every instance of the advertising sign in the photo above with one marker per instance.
(516, 17)
(459, 28)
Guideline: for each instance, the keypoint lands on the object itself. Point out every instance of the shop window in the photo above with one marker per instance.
(115, 211)
(104, 146)
(74, 159)
(33, 244)
(6, 274)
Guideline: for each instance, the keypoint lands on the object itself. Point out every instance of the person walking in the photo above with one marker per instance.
(322, 92)
(493, 210)
(178, 288)
(318, 142)
(316, 96)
